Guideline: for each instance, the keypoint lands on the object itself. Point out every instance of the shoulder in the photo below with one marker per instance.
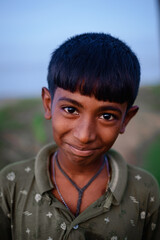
(139, 185)
(143, 189)
(145, 193)
(17, 166)
(14, 180)
(142, 179)
(17, 172)
(136, 176)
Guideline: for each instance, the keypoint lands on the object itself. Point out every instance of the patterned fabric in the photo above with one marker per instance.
(28, 210)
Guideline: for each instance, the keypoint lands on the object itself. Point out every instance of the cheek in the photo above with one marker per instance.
(59, 127)
(110, 135)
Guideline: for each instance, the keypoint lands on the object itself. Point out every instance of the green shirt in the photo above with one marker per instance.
(128, 210)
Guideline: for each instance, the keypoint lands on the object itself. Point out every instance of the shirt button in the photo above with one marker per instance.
(75, 227)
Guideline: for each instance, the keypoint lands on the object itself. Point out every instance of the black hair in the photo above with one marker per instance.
(95, 64)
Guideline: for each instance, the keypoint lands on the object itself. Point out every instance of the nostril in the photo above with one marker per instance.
(85, 133)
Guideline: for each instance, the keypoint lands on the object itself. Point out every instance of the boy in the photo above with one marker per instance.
(80, 189)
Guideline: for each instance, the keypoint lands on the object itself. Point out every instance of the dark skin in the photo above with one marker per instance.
(84, 128)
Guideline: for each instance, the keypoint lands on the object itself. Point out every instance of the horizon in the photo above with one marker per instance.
(32, 30)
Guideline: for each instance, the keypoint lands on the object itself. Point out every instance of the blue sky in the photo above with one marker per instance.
(31, 30)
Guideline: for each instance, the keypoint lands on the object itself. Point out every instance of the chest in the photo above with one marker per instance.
(78, 198)
(43, 219)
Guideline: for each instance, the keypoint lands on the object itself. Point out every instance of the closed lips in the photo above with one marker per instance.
(81, 151)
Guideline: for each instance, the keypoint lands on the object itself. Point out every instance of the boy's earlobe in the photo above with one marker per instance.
(47, 103)
(129, 115)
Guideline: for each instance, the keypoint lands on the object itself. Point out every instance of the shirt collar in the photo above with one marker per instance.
(42, 174)
(118, 166)
(119, 175)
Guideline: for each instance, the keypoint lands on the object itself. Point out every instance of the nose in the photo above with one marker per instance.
(85, 130)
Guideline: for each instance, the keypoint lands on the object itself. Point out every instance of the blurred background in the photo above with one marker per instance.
(31, 30)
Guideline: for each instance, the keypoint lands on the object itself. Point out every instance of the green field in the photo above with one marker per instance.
(152, 158)
(23, 131)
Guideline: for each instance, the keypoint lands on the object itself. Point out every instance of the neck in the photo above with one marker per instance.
(79, 167)
(78, 186)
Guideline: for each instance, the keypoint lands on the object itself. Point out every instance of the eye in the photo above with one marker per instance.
(70, 110)
(107, 116)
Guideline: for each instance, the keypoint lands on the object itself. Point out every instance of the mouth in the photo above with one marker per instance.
(83, 152)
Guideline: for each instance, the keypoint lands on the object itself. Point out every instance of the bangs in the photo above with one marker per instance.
(113, 84)
(95, 65)
(98, 87)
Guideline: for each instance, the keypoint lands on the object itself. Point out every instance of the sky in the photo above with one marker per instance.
(31, 30)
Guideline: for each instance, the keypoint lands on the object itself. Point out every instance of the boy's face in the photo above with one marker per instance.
(84, 127)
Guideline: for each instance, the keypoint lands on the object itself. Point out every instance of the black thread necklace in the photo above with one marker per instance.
(80, 190)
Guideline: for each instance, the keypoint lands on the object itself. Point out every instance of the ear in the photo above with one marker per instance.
(47, 102)
(129, 115)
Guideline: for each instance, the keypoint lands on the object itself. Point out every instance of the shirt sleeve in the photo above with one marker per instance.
(5, 226)
(152, 223)
(152, 229)
(5, 221)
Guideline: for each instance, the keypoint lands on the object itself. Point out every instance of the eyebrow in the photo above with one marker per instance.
(71, 101)
(106, 108)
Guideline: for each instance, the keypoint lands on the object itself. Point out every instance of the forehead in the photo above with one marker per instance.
(62, 95)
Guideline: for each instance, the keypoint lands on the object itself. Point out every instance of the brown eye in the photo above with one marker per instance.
(70, 110)
(107, 116)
